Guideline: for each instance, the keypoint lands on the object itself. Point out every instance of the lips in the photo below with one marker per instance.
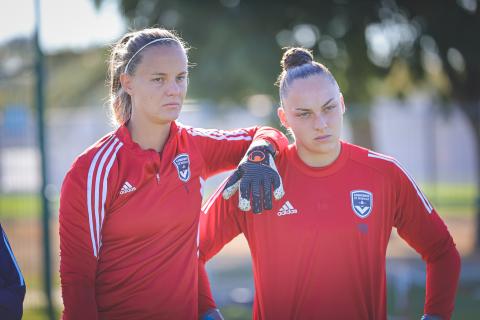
(171, 105)
(323, 137)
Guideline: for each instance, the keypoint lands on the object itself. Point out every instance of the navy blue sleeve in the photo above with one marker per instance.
(12, 284)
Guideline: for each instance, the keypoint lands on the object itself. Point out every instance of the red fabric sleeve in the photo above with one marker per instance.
(223, 149)
(205, 297)
(220, 222)
(77, 260)
(421, 227)
(273, 136)
(442, 279)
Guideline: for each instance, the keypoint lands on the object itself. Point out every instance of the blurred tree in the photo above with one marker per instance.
(408, 42)
(447, 43)
(72, 79)
(237, 45)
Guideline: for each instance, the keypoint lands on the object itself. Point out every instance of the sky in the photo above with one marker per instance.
(72, 24)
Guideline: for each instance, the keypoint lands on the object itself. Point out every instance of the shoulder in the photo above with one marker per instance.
(372, 159)
(97, 153)
(215, 134)
(283, 157)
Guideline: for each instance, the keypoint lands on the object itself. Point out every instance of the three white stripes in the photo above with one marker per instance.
(420, 194)
(214, 196)
(288, 206)
(220, 134)
(95, 227)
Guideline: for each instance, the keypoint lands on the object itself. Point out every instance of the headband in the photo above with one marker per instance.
(151, 42)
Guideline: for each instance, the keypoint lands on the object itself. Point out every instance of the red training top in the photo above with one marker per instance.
(320, 253)
(129, 221)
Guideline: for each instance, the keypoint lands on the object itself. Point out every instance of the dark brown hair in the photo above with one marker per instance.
(298, 63)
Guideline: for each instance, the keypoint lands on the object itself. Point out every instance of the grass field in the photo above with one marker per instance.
(16, 206)
(448, 199)
(452, 199)
(38, 314)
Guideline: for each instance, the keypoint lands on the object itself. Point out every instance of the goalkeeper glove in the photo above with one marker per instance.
(256, 174)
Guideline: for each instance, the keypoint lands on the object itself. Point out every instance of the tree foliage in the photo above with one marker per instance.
(237, 43)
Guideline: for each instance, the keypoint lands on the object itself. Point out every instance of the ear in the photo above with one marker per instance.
(126, 82)
(283, 119)
(342, 102)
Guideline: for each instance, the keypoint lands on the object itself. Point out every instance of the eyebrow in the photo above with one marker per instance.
(306, 109)
(164, 74)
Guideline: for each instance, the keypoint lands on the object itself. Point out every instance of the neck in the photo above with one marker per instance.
(319, 159)
(149, 135)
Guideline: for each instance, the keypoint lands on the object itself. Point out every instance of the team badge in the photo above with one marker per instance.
(182, 163)
(362, 202)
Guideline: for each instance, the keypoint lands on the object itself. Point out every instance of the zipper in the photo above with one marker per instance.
(157, 157)
(157, 174)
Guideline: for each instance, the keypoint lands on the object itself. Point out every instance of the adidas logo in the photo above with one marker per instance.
(127, 187)
(287, 208)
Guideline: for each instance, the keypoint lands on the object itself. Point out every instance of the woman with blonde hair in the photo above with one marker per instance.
(130, 204)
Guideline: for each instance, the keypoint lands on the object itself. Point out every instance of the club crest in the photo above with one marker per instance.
(182, 163)
(362, 202)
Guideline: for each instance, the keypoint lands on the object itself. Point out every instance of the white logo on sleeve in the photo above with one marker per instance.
(127, 187)
(287, 208)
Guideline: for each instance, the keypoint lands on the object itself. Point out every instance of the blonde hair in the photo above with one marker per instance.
(127, 51)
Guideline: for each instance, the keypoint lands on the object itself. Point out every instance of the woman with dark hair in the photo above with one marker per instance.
(321, 253)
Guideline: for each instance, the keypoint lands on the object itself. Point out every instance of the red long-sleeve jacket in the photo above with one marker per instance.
(129, 221)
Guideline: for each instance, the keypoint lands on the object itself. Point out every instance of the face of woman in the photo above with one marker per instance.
(313, 109)
(159, 84)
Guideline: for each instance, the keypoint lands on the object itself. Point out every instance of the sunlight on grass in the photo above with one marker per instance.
(452, 199)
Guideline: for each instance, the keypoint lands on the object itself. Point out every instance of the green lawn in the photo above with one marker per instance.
(448, 199)
(452, 199)
(22, 206)
(38, 314)
(19, 205)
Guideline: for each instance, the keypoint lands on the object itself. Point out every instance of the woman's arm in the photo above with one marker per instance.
(79, 244)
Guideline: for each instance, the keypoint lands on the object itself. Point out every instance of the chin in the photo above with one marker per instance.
(169, 116)
(323, 148)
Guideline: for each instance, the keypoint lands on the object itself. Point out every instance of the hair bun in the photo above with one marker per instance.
(295, 57)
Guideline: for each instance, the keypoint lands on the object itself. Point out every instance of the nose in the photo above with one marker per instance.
(173, 89)
(320, 122)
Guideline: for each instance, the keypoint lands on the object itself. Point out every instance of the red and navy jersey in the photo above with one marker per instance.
(129, 221)
(320, 253)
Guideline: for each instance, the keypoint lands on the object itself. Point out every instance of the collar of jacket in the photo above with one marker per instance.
(125, 137)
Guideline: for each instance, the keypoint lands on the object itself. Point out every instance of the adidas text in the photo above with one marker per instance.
(287, 208)
(127, 187)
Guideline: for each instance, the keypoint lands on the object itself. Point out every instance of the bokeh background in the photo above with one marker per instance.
(409, 72)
